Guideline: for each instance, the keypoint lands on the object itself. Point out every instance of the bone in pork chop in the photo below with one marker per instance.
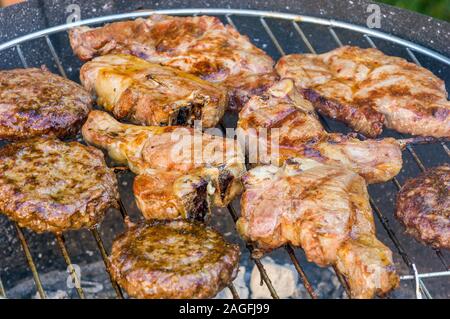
(201, 45)
(365, 89)
(325, 210)
(150, 94)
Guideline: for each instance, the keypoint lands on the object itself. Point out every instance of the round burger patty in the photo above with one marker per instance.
(36, 102)
(423, 206)
(173, 259)
(49, 185)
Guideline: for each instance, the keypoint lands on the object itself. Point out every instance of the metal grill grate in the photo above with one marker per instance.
(228, 14)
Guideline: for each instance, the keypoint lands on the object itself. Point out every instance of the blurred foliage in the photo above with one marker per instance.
(435, 8)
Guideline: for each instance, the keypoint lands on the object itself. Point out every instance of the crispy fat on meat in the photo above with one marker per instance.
(48, 185)
(174, 260)
(423, 206)
(325, 210)
(366, 89)
(201, 45)
(185, 158)
(151, 94)
(35, 102)
(292, 124)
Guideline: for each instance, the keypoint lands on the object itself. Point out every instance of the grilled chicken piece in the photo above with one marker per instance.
(202, 46)
(423, 206)
(151, 94)
(365, 88)
(323, 209)
(35, 102)
(181, 170)
(291, 124)
(173, 259)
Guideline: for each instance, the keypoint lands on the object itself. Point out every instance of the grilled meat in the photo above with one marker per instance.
(150, 94)
(202, 46)
(175, 163)
(36, 102)
(291, 124)
(173, 259)
(48, 185)
(365, 88)
(423, 206)
(323, 209)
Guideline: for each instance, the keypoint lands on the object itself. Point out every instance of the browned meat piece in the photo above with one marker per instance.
(36, 102)
(202, 46)
(173, 259)
(291, 124)
(423, 206)
(175, 164)
(48, 185)
(151, 94)
(365, 88)
(323, 209)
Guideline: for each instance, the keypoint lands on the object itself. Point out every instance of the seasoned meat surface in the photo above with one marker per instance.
(151, 94)
(36, 102)
(173, 259)
(423, 206)
(186, 159)
(201, 45)
(291, 124)
(366, 89)
(325, 210)
(48, 185)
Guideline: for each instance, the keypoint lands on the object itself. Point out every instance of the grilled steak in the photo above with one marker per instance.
(202, 46)
(291, 123)
(48, 185)
(323, 209)
(151, 94)
(365, 88)
(423, 206)
(36, 102)
(183, 157)
(173, 259)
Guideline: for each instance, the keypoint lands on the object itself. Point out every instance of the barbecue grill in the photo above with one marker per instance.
(34, 33)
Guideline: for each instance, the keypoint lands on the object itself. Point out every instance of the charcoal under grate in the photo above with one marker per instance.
(423, 269)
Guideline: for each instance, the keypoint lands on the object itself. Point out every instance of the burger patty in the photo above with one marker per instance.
(36, 102)
(173, 259)
(49, 185)
(423, 206)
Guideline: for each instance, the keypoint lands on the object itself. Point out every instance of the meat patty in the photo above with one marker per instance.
(49, 185)
(201, 45)
(173, 164)
(151, 94)
(366, 89)
(423, 206)
(36, 102)
(325, 210)
(293, 131)
(173, 260)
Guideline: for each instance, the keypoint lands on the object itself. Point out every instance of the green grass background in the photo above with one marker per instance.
(435, 8)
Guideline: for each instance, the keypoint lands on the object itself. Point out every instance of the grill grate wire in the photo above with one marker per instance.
(421, 289)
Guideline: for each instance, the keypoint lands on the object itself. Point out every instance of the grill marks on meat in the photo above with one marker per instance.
(301, 135)
(325, 210)
(172, 164)
(35, 102)
(48, 185)
(201, 45)
(173, 259)
(423, 206)
(366, 89)
(151, 94)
